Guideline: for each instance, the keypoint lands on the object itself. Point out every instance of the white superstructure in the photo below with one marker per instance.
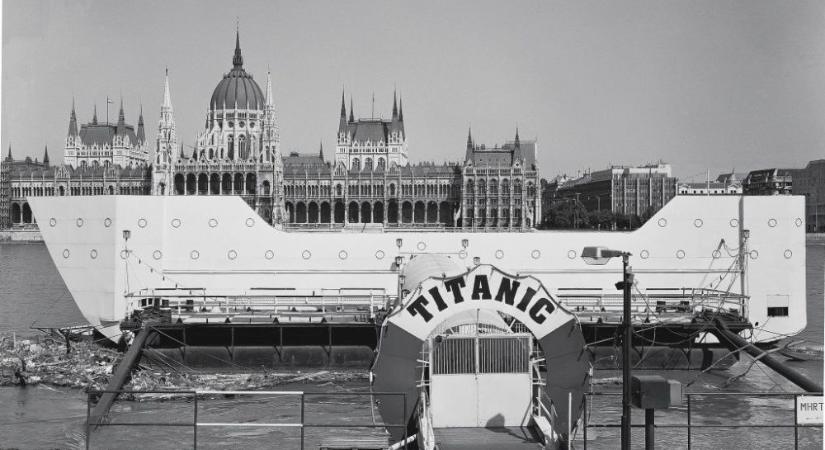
(220, 246)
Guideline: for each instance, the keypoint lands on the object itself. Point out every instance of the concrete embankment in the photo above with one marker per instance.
(20, 236)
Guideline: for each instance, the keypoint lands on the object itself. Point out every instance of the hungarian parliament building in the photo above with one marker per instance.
(368, 181)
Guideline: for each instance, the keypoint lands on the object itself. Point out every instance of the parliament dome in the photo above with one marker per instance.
(237, 88)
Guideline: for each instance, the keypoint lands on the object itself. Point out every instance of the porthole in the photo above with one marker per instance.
(422, 246)
(734, 223)
(157, 254)
(194, 254)
(66, 253)
(788, 254)
(306, 254)
(499, 254)
(571, 254)
(53, 222)
(269, 254)
(250, 221)
(754, 254)
(93, 254)
(698, 223)
(343, 254)
(680, 254)
(662, 222)
(798, 222)
(79, 222)
(379, 254)
(142, 223)
(107, 222)
(717, 254)
(771, 222)
(124, 254)
(536, 254)
(232, 254)
(462, 254)
(176, 223)
(644, 254)
(213, 222)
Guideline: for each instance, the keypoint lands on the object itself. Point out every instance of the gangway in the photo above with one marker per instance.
(479, 390)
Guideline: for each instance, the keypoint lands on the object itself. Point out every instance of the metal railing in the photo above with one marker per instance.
(195, 424)
(655, 303)
(198, 303)
(690, 425)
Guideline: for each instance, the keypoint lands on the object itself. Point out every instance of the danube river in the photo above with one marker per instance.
(32, 294)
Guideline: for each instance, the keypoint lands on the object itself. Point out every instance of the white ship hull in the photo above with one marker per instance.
(220, 245)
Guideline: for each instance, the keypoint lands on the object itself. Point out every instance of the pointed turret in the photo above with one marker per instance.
(121, 119)
(342, 122)
(351, 111)
(73, 122)
(401, 114)
(94, 116)
(237, 60)
(167, 97)
(46, 156)
(269, 101)
(468, 156)
(321, 151)
(167, 141)
(517, 155)
(9, 157)
(396, 121)
(141, 134)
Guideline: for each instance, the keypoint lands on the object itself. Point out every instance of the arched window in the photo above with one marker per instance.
(381, 164)
(231, 146)
(356, 164)
(242, 153)
(368, 164)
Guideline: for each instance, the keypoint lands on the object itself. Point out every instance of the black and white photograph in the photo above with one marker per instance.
(601, 232)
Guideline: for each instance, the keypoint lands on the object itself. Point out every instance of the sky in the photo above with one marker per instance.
(702, 84)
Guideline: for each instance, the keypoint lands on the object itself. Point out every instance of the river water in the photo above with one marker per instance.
(32, 293)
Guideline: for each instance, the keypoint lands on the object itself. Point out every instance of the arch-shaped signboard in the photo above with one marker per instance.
(485, 287)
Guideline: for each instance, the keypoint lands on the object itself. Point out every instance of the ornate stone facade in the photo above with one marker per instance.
(105, 143)
(238, 152)
(368, 183)
(494, 190)
(500, 186)
(32, 178)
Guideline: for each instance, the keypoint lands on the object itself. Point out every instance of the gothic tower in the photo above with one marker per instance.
(166, 149)
(272, 150)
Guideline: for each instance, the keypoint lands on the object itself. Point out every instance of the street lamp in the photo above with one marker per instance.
(600, 256)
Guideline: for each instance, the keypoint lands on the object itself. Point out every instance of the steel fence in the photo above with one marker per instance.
(690, 425)
(195, 424)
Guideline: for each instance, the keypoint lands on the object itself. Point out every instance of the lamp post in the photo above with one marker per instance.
(600, 256)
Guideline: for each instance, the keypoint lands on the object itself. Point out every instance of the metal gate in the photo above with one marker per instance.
(480, 381)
